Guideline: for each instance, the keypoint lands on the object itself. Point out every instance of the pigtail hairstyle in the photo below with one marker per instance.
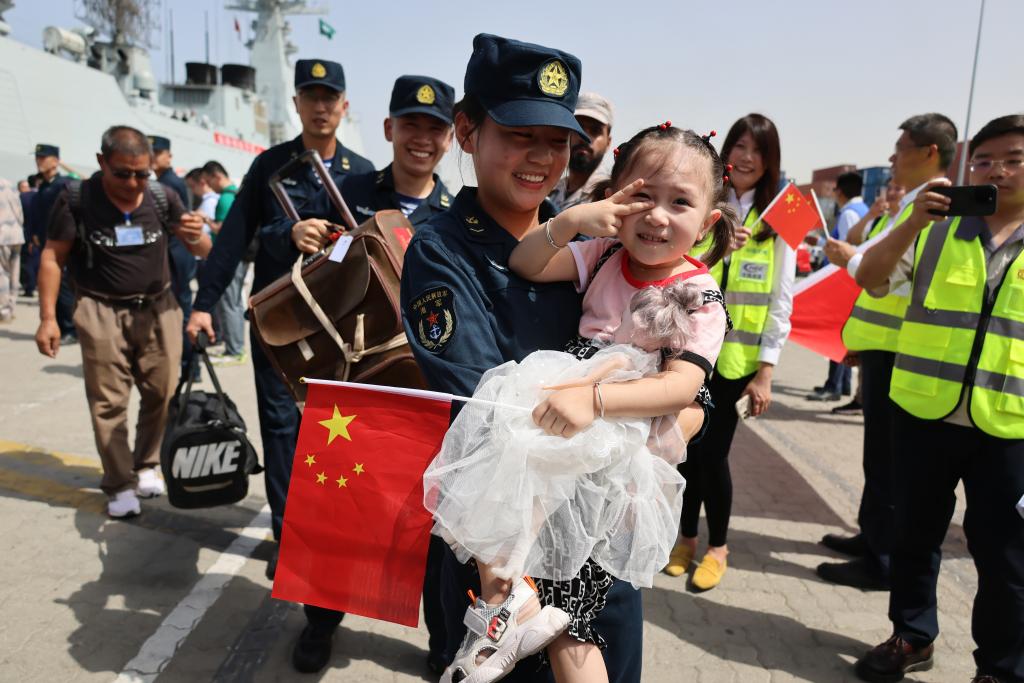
(661, 315)
(656, 139)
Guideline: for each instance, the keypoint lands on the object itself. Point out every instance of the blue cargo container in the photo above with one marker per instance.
(875, 178)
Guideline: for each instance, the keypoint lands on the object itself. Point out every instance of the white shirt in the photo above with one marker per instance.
(855, 260)
(582, 194)
(780, 302)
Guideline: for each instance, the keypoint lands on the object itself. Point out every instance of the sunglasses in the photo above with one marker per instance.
(125, 174)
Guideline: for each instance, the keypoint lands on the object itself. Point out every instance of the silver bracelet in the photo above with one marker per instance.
(547, 233)
(600, 398)
(195, 241)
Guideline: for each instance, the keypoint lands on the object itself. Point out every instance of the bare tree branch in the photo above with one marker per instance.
(128, 22)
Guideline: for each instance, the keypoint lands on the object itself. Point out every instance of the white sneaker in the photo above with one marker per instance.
(123, 504)
(494, 632)
(150, 484)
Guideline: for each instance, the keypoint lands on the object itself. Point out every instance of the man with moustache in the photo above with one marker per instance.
(595, 115)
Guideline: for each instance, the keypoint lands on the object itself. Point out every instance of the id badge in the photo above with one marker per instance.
(128, 236)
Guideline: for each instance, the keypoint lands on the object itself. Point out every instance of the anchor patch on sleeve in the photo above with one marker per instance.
(433, 318)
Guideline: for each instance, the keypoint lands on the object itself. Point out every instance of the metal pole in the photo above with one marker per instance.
(961, 172)
(172, 45)
(206, 20)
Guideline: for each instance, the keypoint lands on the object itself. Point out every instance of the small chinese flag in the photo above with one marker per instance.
(356, 533)
(821, 306)
(791, 215)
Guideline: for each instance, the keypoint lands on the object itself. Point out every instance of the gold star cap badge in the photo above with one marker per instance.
(318, 70)
(553, 79)
(425, 95)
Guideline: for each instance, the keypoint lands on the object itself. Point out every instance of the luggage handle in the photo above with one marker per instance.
(202, 341)
(312, 158)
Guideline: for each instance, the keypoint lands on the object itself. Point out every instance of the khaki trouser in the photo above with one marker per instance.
(10, 267)
(121, 346)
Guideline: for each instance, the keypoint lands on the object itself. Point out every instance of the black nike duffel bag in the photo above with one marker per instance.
(206, 456)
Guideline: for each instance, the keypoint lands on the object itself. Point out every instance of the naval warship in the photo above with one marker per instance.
(78, 84)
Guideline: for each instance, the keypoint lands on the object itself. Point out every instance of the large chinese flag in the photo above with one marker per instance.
(791, 215)
(821, 307)
(355, 533)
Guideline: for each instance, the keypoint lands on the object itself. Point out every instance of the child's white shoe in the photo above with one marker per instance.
(123, 504)
(496, 639)
(150, 484)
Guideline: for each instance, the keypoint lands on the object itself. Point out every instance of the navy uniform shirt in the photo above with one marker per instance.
(365, 194)
(42, 206)
(256, 207)
(465, 311)
(171, 179)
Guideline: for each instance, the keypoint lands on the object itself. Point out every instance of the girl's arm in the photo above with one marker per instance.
(539, 259)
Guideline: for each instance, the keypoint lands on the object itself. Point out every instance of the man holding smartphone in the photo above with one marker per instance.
(958, 388)
(923, 152)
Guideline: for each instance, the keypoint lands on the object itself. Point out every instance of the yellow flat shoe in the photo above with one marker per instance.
(708, 573)
(679, 560)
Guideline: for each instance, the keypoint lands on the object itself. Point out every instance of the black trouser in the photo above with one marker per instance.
(620, 623)
(931, 457)
(183, 269)
(875, 516)
(706, 470)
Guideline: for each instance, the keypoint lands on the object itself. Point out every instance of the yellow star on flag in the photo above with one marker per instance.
(358, 469)
(337, 425)
(321, 478)
(789, 199)
(310, 460)
(342, 481)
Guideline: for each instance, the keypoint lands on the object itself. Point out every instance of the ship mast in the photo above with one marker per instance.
(270, 52)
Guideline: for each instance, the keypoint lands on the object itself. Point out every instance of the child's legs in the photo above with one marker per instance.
(576, 662)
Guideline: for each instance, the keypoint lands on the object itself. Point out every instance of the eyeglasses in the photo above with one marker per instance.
(906, 148)
(125, 174)
(987, 165)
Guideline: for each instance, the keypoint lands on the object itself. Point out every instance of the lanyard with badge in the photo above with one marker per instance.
(128, 235)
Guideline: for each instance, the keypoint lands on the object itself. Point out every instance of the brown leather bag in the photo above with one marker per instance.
(330, 320)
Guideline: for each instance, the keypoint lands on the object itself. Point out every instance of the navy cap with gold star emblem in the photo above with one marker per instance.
(45, 150)
(159, 143)
(310, 72)
(522, 84)
(422, 95)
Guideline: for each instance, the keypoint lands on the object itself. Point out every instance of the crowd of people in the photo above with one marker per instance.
(561, 245)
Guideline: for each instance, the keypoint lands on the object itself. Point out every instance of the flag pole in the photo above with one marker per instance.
(821, 216)
(417, 393)
(961, 171)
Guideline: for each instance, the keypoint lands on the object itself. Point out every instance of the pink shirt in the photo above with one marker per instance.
(606, 316)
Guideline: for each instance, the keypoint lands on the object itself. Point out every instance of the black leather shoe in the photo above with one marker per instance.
(856, 573)
(985, 679)
(890, 661)
(823, 396)
(312, 651)
(854, 546)
(272, 565)
(435, 663)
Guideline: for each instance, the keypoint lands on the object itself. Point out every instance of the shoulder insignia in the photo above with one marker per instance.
(289, 181)
(472, 220)
(445, 201)
(345, 164)
(380, 177)
(553, 79)
(433, 317)
(365, 210)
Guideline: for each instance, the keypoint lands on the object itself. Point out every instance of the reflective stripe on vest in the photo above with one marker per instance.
(938, 336)
(747, 289)
(874, 324)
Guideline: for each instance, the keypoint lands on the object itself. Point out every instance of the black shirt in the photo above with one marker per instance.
(117, 271)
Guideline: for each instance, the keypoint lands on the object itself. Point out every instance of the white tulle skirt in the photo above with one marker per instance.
(507, 494)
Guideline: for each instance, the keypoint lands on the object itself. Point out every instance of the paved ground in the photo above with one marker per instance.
(84, 598)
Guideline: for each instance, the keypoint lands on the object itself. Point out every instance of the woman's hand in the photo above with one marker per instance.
(739, 238)
(760, 391)
(566, 412)
(604, 218)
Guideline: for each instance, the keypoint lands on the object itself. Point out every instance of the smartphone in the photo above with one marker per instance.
(968, 200)
(743, 407)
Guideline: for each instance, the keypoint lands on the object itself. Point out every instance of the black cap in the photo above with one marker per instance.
(159, 143)
(422, 95)
(319, 72)
(44, 150)
(522, 84)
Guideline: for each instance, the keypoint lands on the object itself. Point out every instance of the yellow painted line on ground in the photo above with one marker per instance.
(45, 489)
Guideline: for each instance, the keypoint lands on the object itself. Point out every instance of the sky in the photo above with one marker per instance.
(836, 77)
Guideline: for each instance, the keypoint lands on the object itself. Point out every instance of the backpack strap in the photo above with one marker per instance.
(74, 189)
(163, 210)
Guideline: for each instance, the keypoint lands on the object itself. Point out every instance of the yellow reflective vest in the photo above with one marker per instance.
(748, 277)
(956, 342)
(874, 324)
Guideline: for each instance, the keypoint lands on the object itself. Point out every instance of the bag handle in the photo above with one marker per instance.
(199, 351)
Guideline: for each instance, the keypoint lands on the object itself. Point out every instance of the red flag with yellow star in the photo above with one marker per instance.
(791, 215)
(355, 531)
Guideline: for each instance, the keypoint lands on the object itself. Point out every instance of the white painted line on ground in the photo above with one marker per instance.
(160, 647)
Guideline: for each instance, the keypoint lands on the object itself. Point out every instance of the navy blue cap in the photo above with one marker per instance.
(422, 95)
(522, 84)
(44, 150)
(159, 143)
(310, 72)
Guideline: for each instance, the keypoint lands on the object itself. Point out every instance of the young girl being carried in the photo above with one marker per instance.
(594, 492)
